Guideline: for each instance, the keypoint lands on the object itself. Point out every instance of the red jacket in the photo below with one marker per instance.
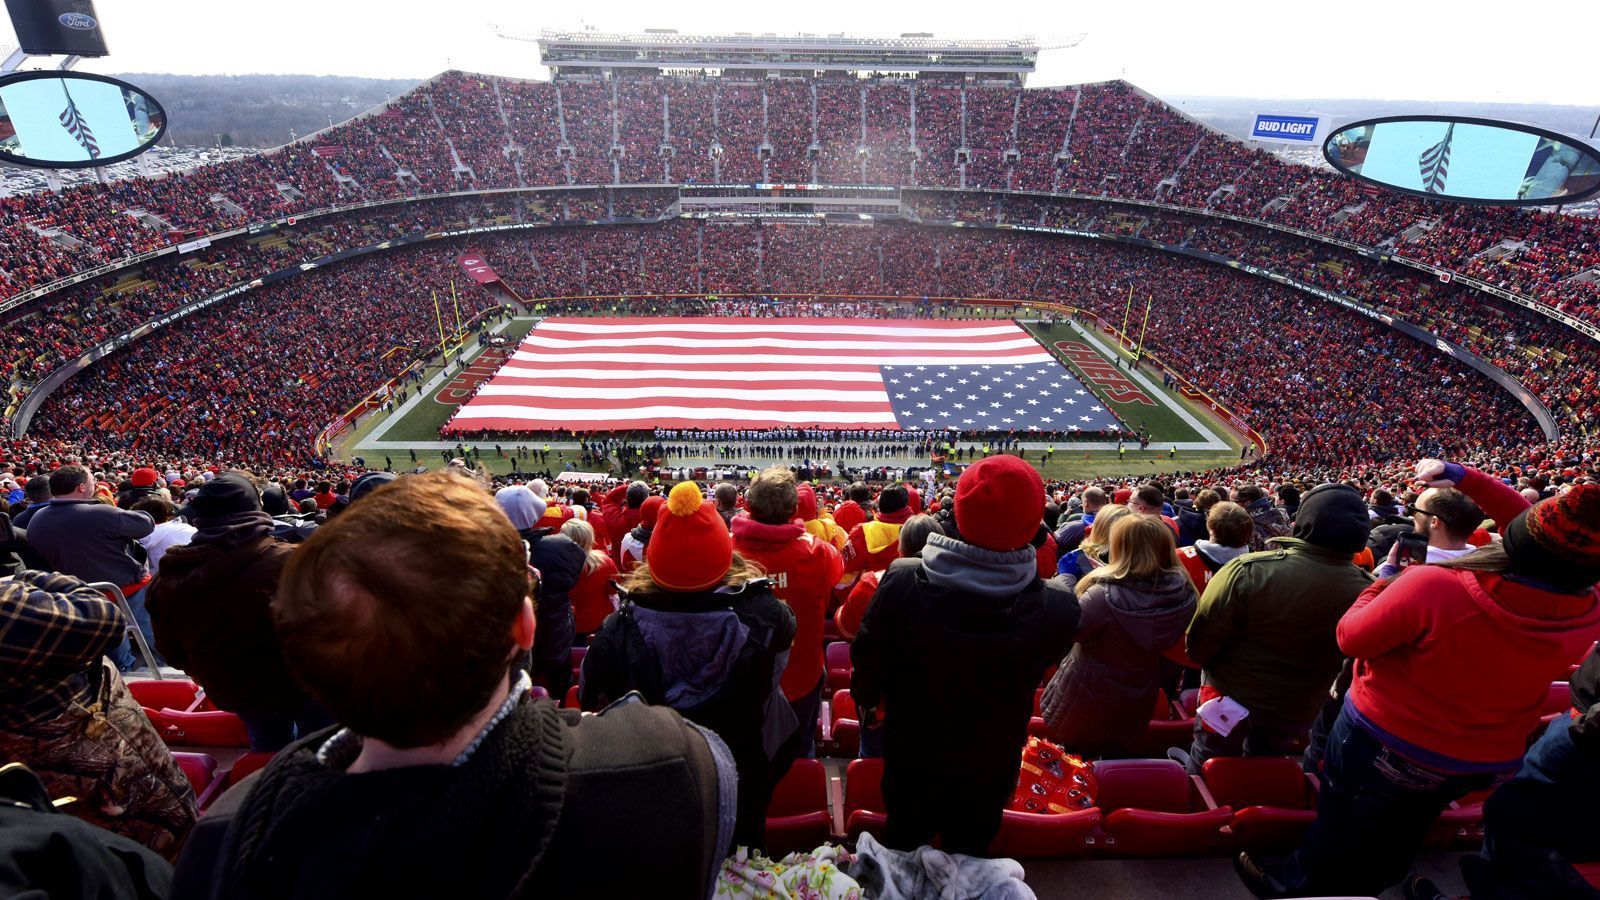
(591, 597)
(849, 515)
(803, 572)
(873, 545)
(848, 615)
(620, 518)
(1456, 664)
(1046, 556)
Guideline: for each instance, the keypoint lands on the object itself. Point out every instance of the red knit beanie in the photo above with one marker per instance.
(690, 549)
(144, 477)
(999, 503)
(650, 510)
(1568, 525)
(1121, 496)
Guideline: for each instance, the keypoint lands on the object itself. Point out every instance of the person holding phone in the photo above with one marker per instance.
(1444, 522)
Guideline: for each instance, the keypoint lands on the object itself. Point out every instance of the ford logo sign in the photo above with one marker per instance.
(78, 21)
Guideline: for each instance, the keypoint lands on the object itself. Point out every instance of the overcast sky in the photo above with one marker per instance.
(1396, 49)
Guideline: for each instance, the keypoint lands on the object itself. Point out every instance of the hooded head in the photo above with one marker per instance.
(521, 506)
(807, 507)
(1334, 517)
(227, 494)
(650, 510)
(274, 500)
(368, 483)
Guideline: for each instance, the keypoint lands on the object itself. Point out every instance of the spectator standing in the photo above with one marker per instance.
(595, 596)
(1445, 519)
(211, 605)
(803, 571)
(1192, 517)
(700, 631)
(969, 626)
(1231, 529)
(1134, 609)
(405, 617)
(560, 563)
(37, 494)
(1271, 522)
(913, 537)
(875, 544)
(68, 716)
(1426, 720)
(855, 509)
(168, 533)
(1096, 543)
(1263, 633)
(81, 536)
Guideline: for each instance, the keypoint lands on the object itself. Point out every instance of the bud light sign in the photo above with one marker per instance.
(1301, 129)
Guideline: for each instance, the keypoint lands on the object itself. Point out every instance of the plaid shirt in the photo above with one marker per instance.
(53, 629)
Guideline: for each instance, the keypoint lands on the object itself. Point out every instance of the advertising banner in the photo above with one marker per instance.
(1298, 129)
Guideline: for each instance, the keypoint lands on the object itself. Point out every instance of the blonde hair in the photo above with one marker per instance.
(1141, 548)
(582, 534)
(638, 582)
(1099, 536)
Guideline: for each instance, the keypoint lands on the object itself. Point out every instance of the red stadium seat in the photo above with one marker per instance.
(846, 724)
(243, 767)
(571, 700)
(1046, 836)
(199, 768)
(838, 655)
(212, 728)
(798, 816)
(1274, 802)
(863, 798)
(1461, 826)
(1151, 809)
(1558, 699)
(176, 693)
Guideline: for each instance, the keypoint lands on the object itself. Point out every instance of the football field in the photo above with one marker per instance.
(1074, 360)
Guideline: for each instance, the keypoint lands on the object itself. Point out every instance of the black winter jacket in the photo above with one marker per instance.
(955, 655)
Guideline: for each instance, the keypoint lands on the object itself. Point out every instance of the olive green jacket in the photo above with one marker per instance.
(1264, 630)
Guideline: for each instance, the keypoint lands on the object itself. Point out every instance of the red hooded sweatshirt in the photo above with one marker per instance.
(873, 545)
(1453, 666)
(803, 570)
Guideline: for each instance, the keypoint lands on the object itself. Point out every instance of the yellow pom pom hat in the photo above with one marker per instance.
(690, 549)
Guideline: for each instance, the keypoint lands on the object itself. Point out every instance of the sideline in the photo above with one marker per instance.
(1212, 442)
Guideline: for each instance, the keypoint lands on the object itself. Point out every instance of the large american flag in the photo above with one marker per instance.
(624, 373)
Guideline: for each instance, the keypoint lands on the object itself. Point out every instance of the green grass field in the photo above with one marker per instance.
(420, 426)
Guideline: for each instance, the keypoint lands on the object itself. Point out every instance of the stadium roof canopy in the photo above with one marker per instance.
(579, 52)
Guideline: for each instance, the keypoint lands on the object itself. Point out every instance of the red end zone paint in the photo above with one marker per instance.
(1103, 373)
(459, 389)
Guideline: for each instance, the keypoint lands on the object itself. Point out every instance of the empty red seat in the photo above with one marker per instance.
(838, 655)
(846, 724)
(177, 693)
(1046, 835)
(797, 816)
(1461, 826)
(199, 768)
(571, 700)
(1558, 699)
(1152, 809)
(209, 728)
(863, 798)
(1273, 801)
(577, 658)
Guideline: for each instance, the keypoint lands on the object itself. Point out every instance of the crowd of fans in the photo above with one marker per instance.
(968, 594)
(1357, 399)
(465, 131)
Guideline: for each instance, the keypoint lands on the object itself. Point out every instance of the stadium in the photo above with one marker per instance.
(870, 298)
